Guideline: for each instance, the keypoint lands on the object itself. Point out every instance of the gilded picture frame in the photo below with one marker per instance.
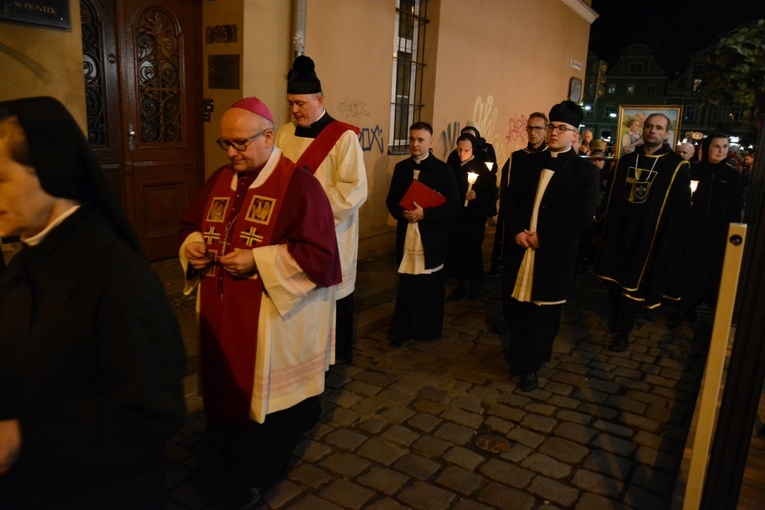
(628, 114)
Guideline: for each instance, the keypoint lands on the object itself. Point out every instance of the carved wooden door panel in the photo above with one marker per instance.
(149, 110)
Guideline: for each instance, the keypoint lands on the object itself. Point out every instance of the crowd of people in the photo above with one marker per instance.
(636, 221)
(270, 247)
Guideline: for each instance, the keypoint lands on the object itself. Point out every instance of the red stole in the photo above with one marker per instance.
(323, 143)
(230, 307)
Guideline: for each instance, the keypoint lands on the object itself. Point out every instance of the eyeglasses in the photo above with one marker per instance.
(535, 128)
(239, 145)
(560, 128)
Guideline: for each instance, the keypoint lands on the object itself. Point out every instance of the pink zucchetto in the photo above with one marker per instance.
(254, 105)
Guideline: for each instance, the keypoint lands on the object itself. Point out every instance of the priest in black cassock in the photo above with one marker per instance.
(536, 129)
(551, 203)
(422, 240)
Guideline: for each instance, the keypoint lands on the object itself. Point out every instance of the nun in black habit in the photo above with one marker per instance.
(91, 357)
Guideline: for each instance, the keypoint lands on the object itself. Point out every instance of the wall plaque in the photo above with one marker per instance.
(221, 34)
(48, 13)
(223, 72)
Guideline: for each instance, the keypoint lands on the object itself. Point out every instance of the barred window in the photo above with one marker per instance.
(408, 64)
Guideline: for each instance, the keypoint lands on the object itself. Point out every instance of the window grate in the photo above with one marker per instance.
(408, 66)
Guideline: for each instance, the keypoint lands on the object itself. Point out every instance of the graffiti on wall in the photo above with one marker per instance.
(485, 115)
(371, 137)
(449, 138)
(516, 130)
(353, 109)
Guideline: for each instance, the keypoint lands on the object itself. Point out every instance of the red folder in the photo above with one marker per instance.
(423, 195)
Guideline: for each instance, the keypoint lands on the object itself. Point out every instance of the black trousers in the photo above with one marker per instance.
(532, 333)
(233, 457)
(345, 337)
(419, 311)
(624, 311)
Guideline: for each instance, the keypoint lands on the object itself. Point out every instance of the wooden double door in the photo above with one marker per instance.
(142, 65)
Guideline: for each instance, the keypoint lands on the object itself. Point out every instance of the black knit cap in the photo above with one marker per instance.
(568, 112)
(302, 77)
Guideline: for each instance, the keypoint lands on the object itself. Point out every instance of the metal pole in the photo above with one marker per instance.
(710, 390)
(298, 27)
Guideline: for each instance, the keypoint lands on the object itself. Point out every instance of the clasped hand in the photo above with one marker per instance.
(238, 263)
(416, 214)
(527, 239)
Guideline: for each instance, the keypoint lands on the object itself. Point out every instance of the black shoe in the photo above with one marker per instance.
(529, 382)
(619, 343)
(503, 327)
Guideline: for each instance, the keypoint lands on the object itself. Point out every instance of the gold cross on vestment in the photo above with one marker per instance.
(251, 236)
(211, 235)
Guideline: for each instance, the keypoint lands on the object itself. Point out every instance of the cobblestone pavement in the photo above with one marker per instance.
(443, 426)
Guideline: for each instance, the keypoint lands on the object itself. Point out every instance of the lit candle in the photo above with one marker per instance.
(694, 185)
(489, 165)
(472, 177)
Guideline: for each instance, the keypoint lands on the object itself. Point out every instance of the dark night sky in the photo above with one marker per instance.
(673, 29)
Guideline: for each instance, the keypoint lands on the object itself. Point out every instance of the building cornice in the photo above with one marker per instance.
(582, 9)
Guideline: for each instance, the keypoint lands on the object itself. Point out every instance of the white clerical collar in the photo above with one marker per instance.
(421, 160)
(37, 238)
(268, 169)
(555, 153)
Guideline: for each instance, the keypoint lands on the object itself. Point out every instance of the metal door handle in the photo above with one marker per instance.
(131, 138)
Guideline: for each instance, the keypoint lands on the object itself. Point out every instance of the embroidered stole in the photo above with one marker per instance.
(230, 306)
(313, 156)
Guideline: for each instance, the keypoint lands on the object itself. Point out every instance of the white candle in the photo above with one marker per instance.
(472, 177)
(489, 165)
(694, 185)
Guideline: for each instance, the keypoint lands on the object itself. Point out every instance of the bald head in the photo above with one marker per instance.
(247, 138)
(686, 150)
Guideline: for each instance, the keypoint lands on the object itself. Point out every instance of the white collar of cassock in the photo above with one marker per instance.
(555, 153)
(37, 238)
